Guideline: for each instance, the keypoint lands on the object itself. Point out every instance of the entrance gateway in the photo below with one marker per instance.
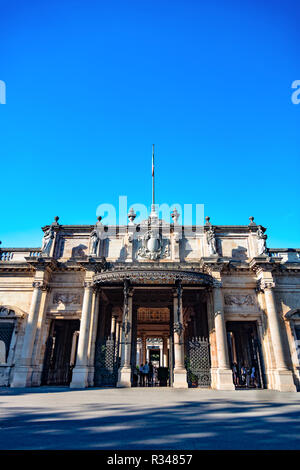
(152, 315)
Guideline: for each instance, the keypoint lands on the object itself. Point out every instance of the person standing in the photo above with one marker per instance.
(150, 375)
(142, 376)
(248, 375)
(146, 373)
(244, 374)
(253, 380)
(235, 374)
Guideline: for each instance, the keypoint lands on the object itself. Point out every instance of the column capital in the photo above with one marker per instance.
(263, 284)
(88, 284)
(217, 284)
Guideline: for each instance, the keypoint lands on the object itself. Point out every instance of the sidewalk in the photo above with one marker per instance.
(148, 418)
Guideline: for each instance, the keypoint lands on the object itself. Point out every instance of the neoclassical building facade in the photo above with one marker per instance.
(95, 302)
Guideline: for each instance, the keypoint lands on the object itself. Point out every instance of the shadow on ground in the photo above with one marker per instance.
(216, 423)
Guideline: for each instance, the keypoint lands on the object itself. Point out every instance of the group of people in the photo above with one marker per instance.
(245, 376)
(145, 375)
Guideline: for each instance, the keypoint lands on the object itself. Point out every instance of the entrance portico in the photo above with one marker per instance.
(168, 305)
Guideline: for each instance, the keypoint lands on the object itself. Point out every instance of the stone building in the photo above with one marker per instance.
(96, 301)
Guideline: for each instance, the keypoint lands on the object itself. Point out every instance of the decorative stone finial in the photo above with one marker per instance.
(56, 218)
(175, 215)
(99, 218)
(131, 215)
(251, 221)
(207, 220)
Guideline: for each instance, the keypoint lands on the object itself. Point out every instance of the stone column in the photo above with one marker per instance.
(80, 372)
(124, 375)
(113, 326)
(119, 338)
(180, 375)
(165, 351)
(283, 376)
(161, 356)
(144, 349)
(23, 371)
(93, 336)
(223, 374)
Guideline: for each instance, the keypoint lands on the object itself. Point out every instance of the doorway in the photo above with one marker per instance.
(61, 351)
(245, 354)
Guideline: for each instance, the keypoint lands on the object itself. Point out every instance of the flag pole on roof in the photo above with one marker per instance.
(153, 200)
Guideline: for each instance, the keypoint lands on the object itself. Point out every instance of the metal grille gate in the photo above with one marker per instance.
(198, 363)
(6, 331)
(106, 363)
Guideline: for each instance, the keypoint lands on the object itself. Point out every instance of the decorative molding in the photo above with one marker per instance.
(153, 276)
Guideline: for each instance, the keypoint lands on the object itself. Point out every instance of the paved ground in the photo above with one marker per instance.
(60, 418)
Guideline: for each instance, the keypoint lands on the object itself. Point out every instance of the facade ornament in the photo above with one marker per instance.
(178, 328)
(175, 215)
(263, 284)
(177, 325)
(211, 241)
(47, 241)
(261, 242)
(94, 241)
(207, 220)
(6, 312)
(252, 221)
(88, 284)
(41, 285)
(126, 326)
(152, 246)
(131, 215)
(66, 298)
(230, 299)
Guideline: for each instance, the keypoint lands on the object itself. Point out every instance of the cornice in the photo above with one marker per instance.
(265, 264)
(16, 267)
(42, 263)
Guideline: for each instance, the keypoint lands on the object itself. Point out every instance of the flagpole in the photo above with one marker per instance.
(153, 207)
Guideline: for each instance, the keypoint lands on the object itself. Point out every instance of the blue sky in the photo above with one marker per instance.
(91, 85)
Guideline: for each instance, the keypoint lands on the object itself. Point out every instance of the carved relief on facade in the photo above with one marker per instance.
(65, 300)
(153, 246)
(233, 299)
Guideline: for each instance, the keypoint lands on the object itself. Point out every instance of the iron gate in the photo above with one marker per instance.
(198, 362)
(106, 363)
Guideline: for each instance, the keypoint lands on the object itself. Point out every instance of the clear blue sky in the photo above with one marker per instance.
(91, 85)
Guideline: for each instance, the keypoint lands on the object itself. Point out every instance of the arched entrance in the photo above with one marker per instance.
(140, 305)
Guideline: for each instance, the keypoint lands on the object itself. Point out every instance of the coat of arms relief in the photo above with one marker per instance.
(153, 246)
